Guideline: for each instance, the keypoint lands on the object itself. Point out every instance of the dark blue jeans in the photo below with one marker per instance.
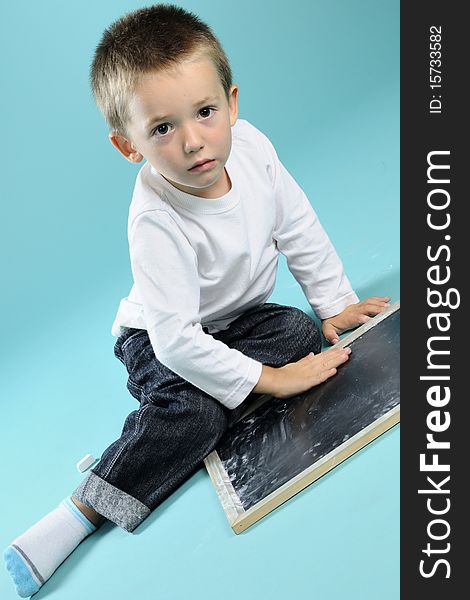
(177, 425)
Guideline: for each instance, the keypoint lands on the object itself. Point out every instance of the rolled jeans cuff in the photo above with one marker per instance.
(111, 502)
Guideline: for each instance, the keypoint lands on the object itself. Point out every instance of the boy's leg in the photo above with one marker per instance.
(273, 334)
(161, 444)
(177, 424)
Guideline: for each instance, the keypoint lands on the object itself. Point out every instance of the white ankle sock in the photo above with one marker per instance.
(33, 556)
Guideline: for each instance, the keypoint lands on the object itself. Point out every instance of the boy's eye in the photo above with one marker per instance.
(161, 129)
(205, 109)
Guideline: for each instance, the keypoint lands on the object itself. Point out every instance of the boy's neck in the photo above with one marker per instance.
(223, 186)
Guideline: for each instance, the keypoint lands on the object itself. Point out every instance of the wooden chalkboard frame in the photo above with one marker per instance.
(239, 518)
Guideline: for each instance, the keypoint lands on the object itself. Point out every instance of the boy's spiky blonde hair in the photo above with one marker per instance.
(154, 38)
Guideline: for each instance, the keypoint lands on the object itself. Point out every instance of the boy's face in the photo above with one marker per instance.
(181, 117)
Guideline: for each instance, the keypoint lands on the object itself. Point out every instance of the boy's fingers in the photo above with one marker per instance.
(376, 303)
(335, 357)
(374, 308)
(330, 333)
(379, 303)
(379, 298)
(372, 304)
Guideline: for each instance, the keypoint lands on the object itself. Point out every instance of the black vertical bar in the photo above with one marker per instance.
(435, 261)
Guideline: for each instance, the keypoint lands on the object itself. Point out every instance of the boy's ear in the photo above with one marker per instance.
(233, 104)
(125, 147)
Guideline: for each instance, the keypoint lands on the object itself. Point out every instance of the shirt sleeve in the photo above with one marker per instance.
(311, 257)
(164, 267)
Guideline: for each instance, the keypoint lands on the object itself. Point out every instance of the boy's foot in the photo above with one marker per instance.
(33, 556)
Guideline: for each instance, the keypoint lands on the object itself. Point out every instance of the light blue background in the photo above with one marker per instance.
(321, 79)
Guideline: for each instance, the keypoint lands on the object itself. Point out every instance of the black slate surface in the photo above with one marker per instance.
(284, 437)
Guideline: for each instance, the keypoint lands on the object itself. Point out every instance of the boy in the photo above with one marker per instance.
(212, 208)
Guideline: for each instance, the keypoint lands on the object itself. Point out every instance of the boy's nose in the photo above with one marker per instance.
(192, 141)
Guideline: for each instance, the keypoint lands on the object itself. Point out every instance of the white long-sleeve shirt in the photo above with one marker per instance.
(203, 262)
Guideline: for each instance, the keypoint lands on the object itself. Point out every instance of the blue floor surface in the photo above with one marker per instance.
(336, 539)
(326, 92)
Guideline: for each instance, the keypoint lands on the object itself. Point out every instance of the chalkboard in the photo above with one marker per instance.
(283, 445)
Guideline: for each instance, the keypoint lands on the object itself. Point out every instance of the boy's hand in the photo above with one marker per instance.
(352, 316)
(300, 376)
(313, 369)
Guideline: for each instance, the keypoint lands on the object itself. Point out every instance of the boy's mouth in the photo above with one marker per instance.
(203, 164)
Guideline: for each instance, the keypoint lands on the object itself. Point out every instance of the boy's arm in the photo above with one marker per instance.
(310, 255)
(164, 266)
(313, 260)
(315, 264)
